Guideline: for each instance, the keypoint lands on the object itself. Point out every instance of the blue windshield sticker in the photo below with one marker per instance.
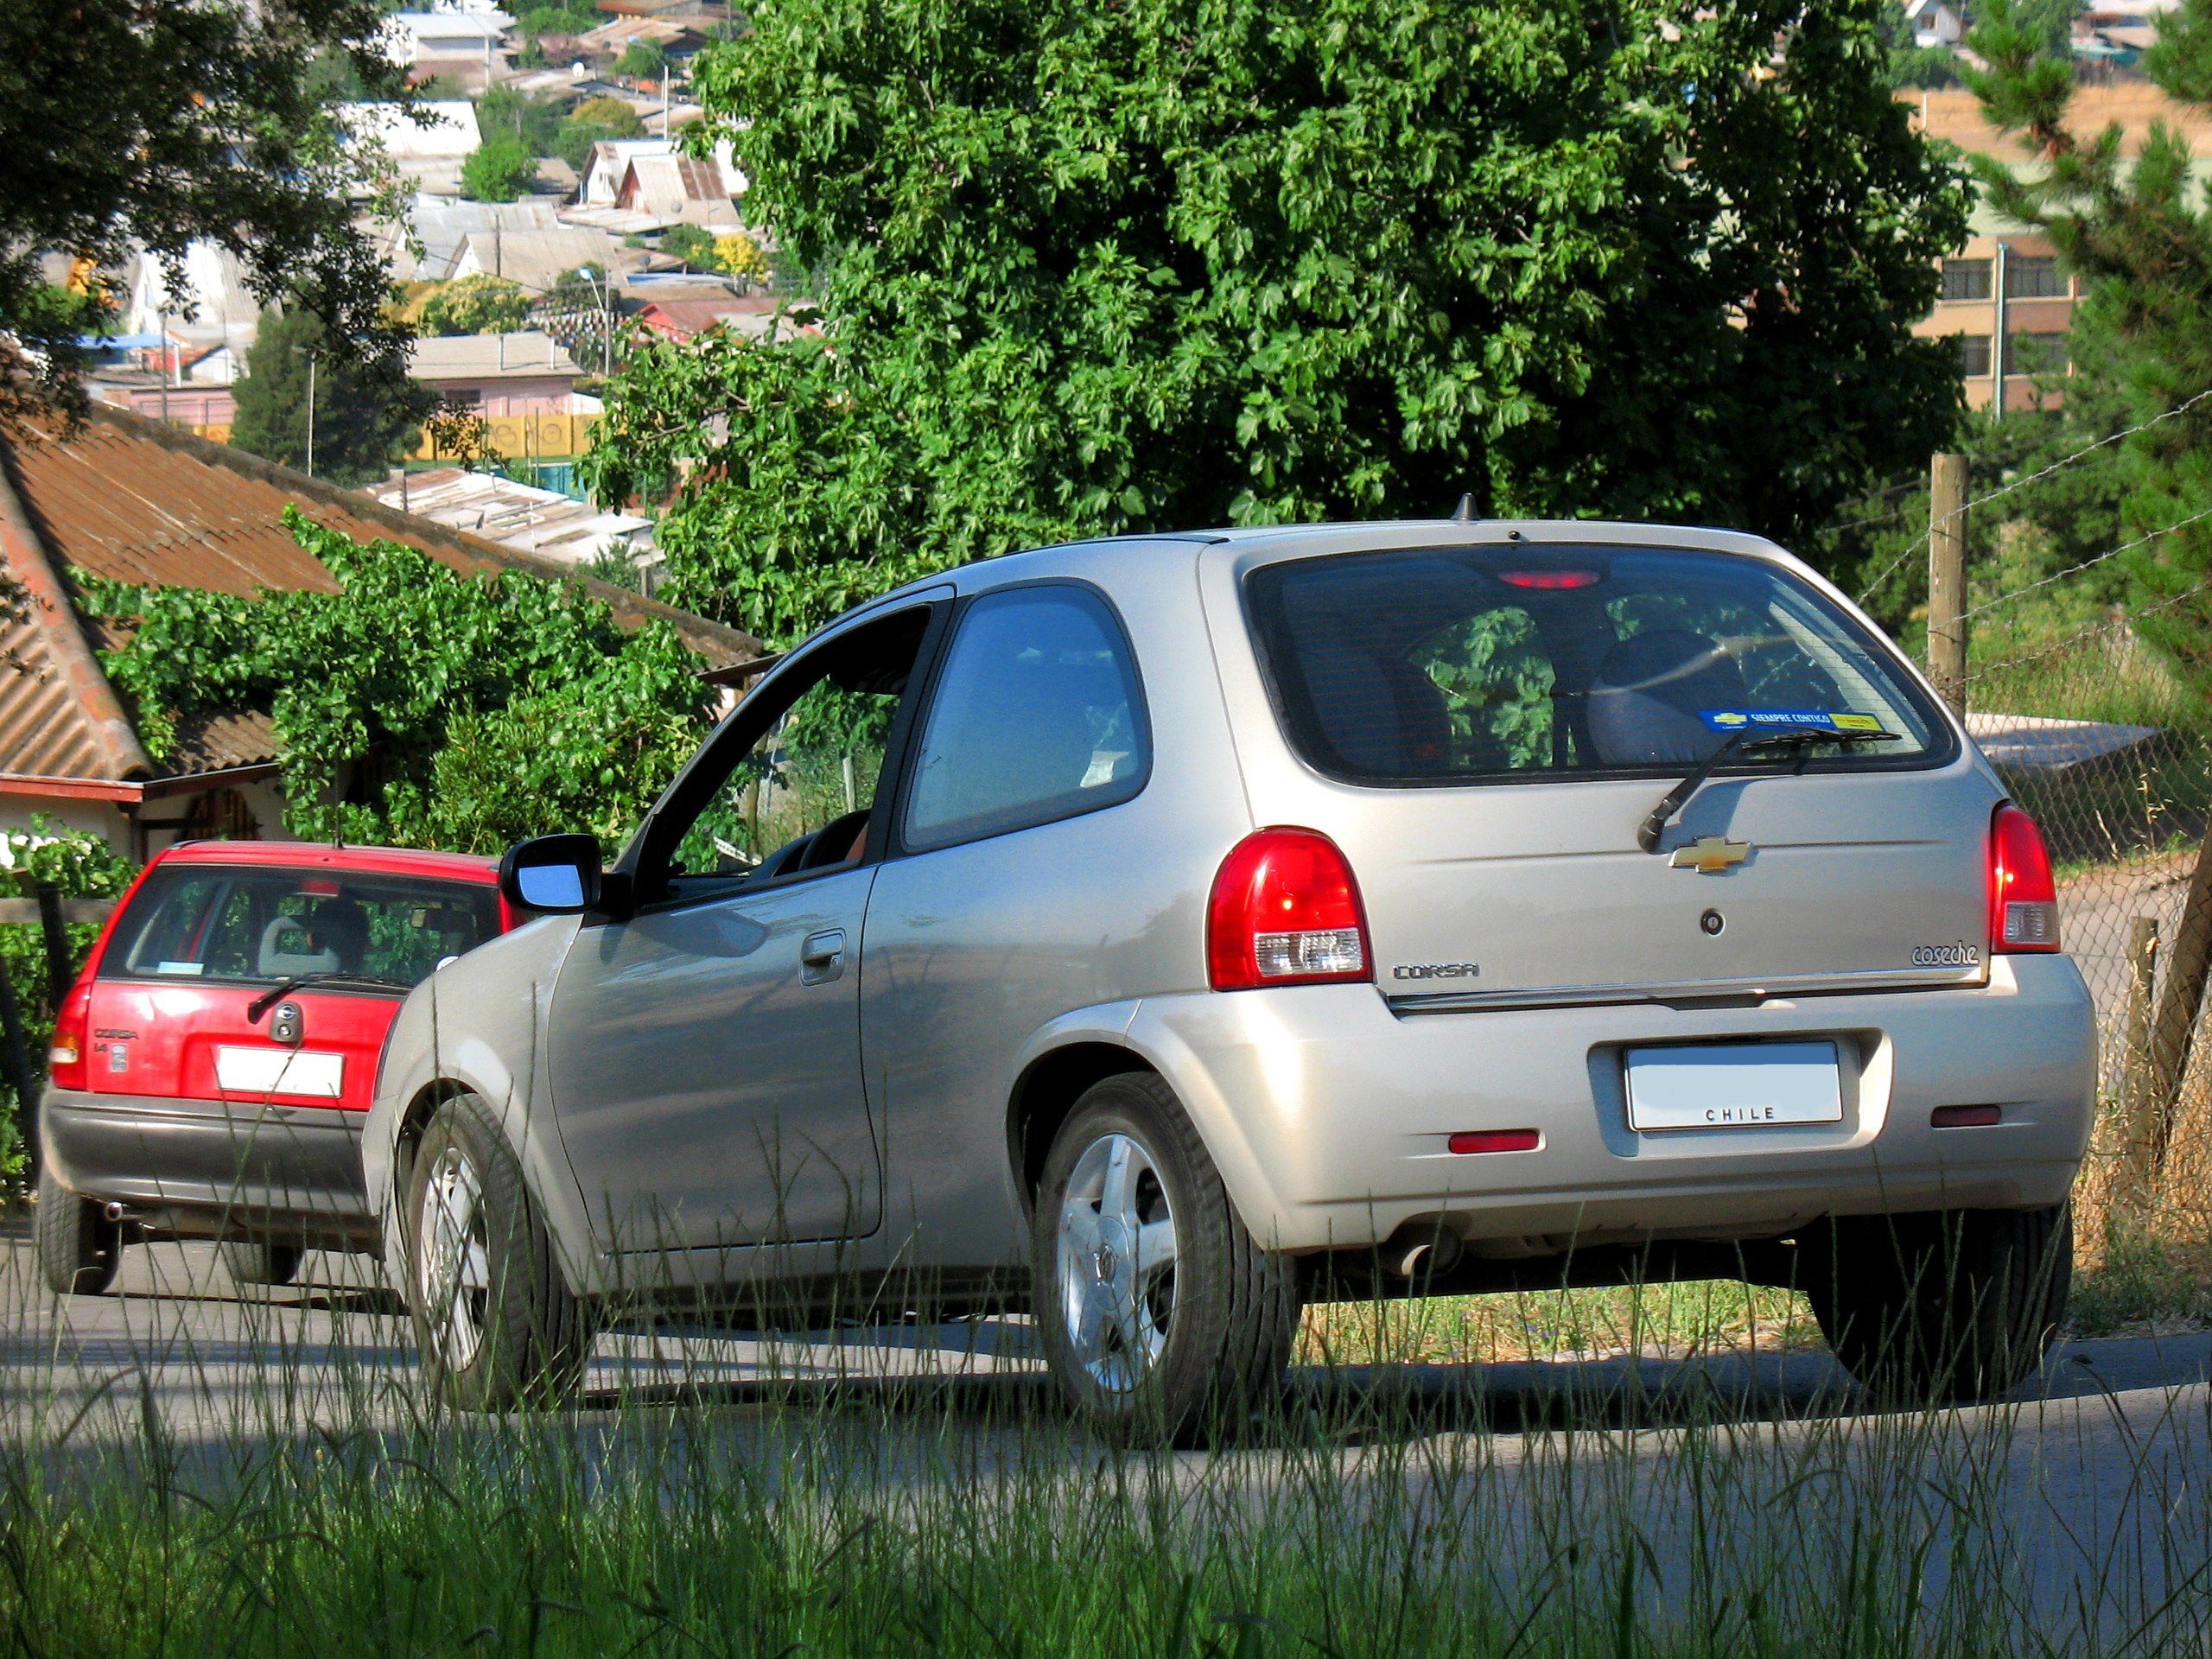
(1822, 719)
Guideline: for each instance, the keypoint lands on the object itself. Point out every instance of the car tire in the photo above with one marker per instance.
(1148, 1347)
(495, 1322)
(80, 1249)
(1949, 1307)
(257, 1262)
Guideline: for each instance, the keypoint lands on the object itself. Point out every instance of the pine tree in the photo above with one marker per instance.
(359, 430)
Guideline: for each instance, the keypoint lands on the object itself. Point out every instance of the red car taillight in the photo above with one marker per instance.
(2023, 898)
(68, 1059)
(1285, 910)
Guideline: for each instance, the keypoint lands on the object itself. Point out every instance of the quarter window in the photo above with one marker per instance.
(1037, 717)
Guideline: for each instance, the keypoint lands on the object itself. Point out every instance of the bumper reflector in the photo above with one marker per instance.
(1965, 1117)
(1495, 1141)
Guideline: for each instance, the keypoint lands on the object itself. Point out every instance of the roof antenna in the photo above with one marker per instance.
(1464, 512)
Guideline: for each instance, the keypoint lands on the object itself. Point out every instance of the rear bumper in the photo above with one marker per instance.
(1328, 1114)
(212, 1168)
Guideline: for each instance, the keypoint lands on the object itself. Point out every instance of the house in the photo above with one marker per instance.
(683, 320)
(538, 259)
(208, 301)
(427, 243)
(463, 47)
(428, 154)
(668, 182)
(1935, 23)
(523, 385)
(135, 500)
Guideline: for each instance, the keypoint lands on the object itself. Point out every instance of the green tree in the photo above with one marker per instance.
(154, 123)
(1089, 270)
(2139, 235)
(643, 61)
(496, 706)
(533, 123)
(1910, 63)
(693, 245)
(499, 169)
(481, 304)
(593, 121)
(362, 422)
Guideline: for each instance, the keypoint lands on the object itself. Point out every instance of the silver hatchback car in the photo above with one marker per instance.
(1158, 933)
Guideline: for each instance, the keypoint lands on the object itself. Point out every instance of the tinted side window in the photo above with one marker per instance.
(1037, 717)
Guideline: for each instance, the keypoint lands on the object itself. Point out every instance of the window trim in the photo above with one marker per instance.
(743, 727)
(1141, 722)
(1942, 750)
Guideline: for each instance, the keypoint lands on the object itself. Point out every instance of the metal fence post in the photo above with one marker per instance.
(60, 972)
(1947, 579)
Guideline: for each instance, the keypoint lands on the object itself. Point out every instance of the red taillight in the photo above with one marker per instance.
(1549, 581)
(2023, 898)
(1474, 1141)
(67, 1058)
(1285, 910)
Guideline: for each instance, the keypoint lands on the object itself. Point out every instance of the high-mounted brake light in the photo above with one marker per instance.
(2023, 898)
(65, 1057)
(1285, 910)
(1549, 579)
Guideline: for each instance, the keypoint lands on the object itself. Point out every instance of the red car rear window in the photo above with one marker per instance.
(256, 924)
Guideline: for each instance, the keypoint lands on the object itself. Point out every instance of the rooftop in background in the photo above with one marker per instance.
(528, 354)
(546, 523)
(450, 134)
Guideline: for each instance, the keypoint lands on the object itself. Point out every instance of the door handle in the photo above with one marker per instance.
(823, 956)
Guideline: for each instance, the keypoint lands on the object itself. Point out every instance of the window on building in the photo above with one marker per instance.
(1966, 279)
(1973, 355)
(2037, 355)
(2033, 276)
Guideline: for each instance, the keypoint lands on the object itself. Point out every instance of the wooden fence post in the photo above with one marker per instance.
(2175, 1028)
(1947, 579)
(2139, 1099)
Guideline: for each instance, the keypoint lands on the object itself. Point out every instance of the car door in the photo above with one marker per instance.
(705, 1051)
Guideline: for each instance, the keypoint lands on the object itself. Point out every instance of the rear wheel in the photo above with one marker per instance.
(80, 1249)
(495, 1321)
(257, 1262)
(1159, 1312)
(1956, 1305)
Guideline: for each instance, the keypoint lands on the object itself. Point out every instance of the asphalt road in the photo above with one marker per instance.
(2101, 1463)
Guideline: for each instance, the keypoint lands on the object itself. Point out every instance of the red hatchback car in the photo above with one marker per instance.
(213, 1062)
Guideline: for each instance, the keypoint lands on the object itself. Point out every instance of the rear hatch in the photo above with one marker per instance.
(181, 1005)
(1512, 714)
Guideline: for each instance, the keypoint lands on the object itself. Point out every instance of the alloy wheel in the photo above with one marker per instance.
(1117, 1262)
(454, 1271)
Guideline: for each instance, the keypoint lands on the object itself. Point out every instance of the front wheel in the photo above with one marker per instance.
(1952, 1305)
(1159, 1312)
(80, 1249)
(494, 1320)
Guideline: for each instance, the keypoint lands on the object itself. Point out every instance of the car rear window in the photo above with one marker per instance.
(1457, 664)
(258, 925)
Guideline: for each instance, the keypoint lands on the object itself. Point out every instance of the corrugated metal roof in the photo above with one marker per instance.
(134, 500)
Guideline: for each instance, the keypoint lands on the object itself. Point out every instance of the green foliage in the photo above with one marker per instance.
(592, 121)
(1911, 64)
(81, 865)
(693, 245)
(533, 123)
(481, 304)
(499, 169)
(362, 423)
(643, 59)
(559, 20)
(493, 706)
(2138, 234)
(154, 124)
(1089, 270)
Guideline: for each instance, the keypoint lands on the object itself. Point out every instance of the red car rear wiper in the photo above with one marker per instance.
(267, 999)
(1754, 739)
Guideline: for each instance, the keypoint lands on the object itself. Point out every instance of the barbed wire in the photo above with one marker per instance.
(2115, 625)
(2040, 474)
(2086, 564)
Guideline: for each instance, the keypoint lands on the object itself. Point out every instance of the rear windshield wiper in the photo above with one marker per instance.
(1747, 740)
(262, 1004)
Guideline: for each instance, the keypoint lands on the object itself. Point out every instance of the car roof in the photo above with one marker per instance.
(322, 855)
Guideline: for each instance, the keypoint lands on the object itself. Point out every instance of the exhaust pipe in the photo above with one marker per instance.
(114, 1211)
(1436, 1255)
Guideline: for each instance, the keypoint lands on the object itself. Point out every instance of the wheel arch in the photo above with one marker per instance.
(1044, 1095)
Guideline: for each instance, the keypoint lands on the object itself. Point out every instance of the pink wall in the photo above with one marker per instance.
(509, 394)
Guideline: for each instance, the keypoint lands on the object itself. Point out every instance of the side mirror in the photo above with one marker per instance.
(556, 875)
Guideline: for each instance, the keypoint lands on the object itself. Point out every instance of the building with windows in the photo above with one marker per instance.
(2005, 285)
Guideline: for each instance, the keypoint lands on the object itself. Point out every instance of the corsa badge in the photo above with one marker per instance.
(1710, 855)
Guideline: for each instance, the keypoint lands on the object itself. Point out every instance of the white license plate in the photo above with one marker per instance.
(1733, 1086)
(280, 1071)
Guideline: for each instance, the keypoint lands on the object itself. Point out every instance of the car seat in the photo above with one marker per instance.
(287, 950)
(1381, 715)
(1644, 704)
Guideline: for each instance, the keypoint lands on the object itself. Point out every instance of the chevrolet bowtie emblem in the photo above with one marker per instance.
(1710, 855)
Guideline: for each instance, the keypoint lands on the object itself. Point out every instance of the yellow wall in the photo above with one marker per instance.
(529, 437)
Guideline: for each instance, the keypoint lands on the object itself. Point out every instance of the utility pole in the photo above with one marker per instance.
(310, 414)
(2002, 344)
(1947, 579)
(162, 318)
